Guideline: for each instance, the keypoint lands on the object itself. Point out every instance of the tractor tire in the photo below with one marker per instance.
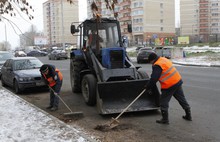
(76, 66)
(142, 74)
(89, 84)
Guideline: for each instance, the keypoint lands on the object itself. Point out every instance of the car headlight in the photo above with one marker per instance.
(26, 79)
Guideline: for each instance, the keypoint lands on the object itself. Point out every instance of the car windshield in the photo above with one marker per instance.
(5, 56)
(145, 52)
(27, 64)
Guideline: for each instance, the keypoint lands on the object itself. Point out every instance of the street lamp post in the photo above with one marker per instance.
(63, 44)
(5, 37)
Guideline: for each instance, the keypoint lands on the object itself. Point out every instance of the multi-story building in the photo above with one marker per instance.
(149, 19)
(58, 16)
(200, 19)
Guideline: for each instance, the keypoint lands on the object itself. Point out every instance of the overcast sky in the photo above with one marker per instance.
(24, 25)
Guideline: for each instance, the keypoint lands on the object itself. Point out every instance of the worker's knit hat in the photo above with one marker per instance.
(43, 68)
(152, 56)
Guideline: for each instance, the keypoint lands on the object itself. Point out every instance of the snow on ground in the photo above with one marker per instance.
(22, 122)
(209, 59)
(196, 49)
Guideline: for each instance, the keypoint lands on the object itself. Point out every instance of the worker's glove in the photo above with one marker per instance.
(146, 86)
(55, 93)
(149, 91)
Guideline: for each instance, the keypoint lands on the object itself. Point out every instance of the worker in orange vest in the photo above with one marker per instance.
(53, 78)
(171, 85)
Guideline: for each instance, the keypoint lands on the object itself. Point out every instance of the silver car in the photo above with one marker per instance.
(21, 73)
(4, 55)
(57, 55)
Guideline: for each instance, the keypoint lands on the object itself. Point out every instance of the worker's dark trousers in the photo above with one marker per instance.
(54, 100)
(177, 92)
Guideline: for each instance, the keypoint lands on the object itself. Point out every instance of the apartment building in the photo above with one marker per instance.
(200, 19)
(58, 16)
(149, 19)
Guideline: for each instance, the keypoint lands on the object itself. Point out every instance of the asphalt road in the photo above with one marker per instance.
(201, 87)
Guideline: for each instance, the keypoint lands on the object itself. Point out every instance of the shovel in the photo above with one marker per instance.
(114, 122)
(71, 113)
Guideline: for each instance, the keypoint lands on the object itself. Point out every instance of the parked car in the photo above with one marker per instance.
(36, 53)
(4, 55)
(138, 48)
(57, 54)
(158, 50)
(20, 54)
(143, 53)
(167, 52)
(21, 73)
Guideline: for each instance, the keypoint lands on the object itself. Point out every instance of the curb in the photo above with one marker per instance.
(74, 129)
(190, 64)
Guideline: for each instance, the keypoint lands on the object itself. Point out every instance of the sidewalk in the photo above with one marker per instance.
(22, 121)
(196, 61)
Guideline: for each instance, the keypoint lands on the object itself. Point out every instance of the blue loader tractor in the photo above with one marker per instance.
(101, 70)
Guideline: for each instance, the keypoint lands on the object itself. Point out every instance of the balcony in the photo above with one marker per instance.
(125, 2)
(125, 18)
(125, 10)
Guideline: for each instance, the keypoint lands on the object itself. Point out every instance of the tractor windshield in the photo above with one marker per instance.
(107, 35)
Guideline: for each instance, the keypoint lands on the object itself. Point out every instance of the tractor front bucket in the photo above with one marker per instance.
(115, 96)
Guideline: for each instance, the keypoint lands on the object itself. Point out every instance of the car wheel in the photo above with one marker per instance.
(89, 89)
(16, 87)
(3, 82)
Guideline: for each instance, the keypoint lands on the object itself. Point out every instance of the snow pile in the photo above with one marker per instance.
(196, 49)
(20, 121)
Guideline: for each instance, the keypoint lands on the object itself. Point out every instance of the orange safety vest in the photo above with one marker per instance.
(51, 81)
(170, 76)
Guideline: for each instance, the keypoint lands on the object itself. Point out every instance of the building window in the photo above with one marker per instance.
(137, 4)
(214, 14)
(137, 12)
(137, 29)
(161, 21)
(161, 5)
(161, 28)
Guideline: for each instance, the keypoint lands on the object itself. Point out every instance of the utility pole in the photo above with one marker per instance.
(6, 37)
(62, 24)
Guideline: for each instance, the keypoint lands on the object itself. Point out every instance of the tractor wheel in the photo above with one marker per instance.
(89, 84)
(142, 74)
(75, 68)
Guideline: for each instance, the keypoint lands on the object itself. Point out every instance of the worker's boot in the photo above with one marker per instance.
(164, 119)
(49, 107)
(188, 115)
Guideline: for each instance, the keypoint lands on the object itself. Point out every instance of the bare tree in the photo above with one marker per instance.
(9, 7)
(110, 4)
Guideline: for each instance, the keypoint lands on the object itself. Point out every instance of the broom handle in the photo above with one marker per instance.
(130, 104)
(61, 99)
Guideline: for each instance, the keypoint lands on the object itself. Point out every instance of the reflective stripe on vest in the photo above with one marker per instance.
(170, 76)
